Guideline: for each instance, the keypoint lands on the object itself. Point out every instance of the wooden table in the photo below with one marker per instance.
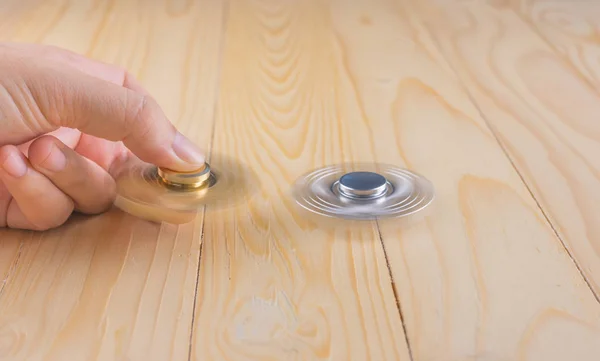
(496, 102)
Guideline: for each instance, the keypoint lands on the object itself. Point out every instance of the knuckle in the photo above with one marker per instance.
(135, 110)
(51, 98)
(137, 115)
(29, 96)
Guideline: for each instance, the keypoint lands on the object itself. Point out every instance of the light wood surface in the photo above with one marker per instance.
(541, 103)
(494, 102)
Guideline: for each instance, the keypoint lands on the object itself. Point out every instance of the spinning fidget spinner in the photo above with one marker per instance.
(162, 194)
(363, 191)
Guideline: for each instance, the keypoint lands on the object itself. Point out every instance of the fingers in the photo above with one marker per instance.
(37, 203)
(103, 109)
(100, 151)
(90, 187)
(50, 185)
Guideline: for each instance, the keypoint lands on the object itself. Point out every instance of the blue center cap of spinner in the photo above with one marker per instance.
(362, 185)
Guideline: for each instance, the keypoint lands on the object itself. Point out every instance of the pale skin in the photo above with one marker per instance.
(65, 122)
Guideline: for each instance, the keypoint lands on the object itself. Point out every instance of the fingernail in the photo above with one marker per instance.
(55, 161)
(15, 166)
(187, 151)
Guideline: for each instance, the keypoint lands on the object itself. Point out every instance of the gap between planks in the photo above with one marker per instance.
(502, 146)
(395, 291)
(222, 38)
(192, 321)
(12, 267)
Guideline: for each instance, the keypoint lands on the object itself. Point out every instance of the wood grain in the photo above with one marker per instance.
(114, 287)
(10, 250)
(572, 30)
(545, 123)
(273, 285)
(493, 101)
(484, 277)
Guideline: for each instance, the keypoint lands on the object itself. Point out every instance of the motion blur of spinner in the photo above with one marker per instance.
(162, 195)
(358, 192)
(363, 191)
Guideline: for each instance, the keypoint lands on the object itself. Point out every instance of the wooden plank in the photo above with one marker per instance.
(114, 287)
(17, 17)
(542, 111)
(484, 277)
(273, 284)
(10, 251)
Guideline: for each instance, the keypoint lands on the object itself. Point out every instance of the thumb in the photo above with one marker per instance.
(70, 98)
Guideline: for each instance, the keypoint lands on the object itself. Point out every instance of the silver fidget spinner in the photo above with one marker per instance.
(363, 191)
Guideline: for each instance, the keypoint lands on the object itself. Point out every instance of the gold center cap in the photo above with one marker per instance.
(193, 179)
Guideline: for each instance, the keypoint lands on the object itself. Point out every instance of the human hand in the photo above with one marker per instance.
(65, 121)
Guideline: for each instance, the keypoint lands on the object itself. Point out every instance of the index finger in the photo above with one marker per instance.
(71, 98)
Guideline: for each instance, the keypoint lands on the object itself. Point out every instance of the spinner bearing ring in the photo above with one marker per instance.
(363, 191)
(186, 180)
